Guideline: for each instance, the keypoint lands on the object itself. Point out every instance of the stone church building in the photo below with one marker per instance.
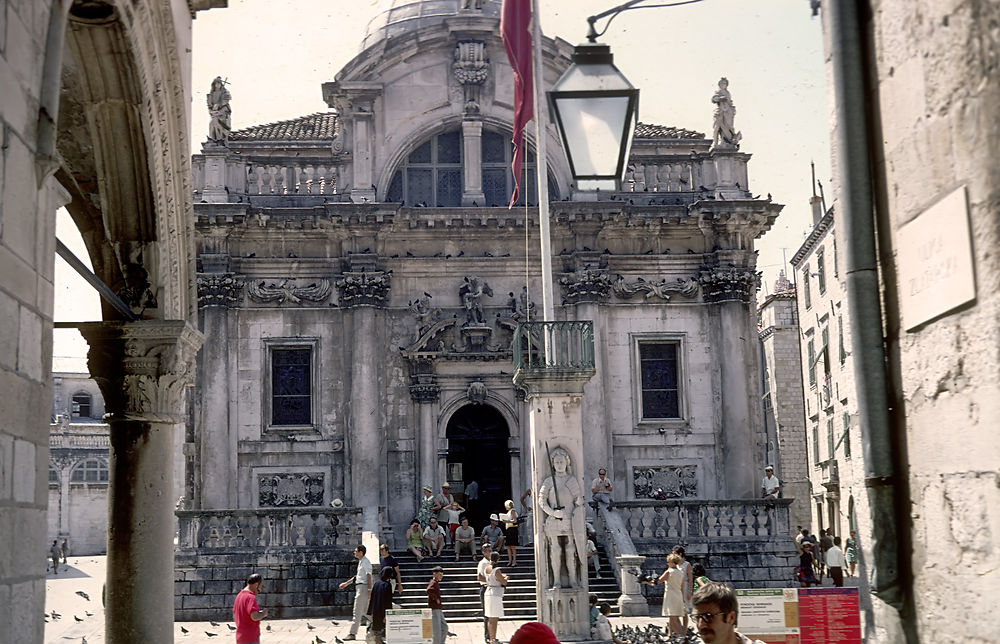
(360, 281)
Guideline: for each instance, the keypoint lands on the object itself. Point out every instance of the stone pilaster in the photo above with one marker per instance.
(734, 341)
(142, 369)
(362, 293)
(215, 174)
(472, 144)
(554, 397)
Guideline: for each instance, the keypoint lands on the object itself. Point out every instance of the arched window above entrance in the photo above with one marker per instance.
(432, 174)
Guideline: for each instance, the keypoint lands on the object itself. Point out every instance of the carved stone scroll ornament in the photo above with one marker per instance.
(585, 285)
(218, 289)
(660, 289)
(364, 288)
(720, 285)
(286, 290)
(471, 69)
(142, 367)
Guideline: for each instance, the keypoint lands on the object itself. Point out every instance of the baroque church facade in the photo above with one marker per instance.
(360, 281)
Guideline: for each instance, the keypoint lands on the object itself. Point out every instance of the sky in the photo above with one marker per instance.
(277, 53)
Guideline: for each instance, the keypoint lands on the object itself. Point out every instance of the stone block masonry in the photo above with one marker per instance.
(298, 582)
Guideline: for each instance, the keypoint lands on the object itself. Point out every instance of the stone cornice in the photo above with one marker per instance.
(814, 236)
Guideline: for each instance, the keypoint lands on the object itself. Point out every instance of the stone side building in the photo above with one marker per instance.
(94, 100)
(78, 465)
(917, 192)
(836, 473)
(778, 326)
(361, 280)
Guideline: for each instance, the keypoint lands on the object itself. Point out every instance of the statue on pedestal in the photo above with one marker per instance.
(724, 134)
(560, 498)
(218, 109)
(471, 291)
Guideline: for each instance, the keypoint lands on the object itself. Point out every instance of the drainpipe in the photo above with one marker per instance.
(48, 99)
(857, 118)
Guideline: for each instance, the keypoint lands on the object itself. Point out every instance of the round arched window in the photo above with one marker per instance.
(92, 470)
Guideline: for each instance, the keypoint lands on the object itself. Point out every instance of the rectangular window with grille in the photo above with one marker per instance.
(830, 443)
(660, 377)
(815, 444)
(806, 296)
(821, 271)
(847, 435)
(291, 385)
(811, 358)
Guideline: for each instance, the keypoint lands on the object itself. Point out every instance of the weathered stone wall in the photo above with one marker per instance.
(936, 81)
(297, 582)
(27, 246)
(741, 564)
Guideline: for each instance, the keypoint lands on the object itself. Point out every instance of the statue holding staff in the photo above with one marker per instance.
(563, 526)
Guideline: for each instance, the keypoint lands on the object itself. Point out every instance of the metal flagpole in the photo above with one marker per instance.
(541, 164)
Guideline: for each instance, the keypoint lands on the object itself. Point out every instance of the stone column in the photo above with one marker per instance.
(363, 292)
(425, 395)
(142, 369)
(555, 418)
(472, 143)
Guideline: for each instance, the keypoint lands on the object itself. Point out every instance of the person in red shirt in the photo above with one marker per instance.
(246, 613)
(439, 624)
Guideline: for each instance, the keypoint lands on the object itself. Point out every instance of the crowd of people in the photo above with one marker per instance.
(824, 556)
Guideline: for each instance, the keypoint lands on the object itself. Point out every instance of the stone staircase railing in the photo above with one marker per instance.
(626, 562)
(269, 528)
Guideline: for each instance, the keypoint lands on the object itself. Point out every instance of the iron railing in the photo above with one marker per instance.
(554, 345)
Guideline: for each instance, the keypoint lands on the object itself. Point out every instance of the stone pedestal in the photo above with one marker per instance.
(632, 601)
(142, 369)
(215, 174)
(554, 396)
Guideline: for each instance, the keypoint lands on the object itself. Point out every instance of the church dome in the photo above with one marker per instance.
(400, 17)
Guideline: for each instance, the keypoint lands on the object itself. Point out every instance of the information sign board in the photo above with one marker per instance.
(411, 626)
(800, 615)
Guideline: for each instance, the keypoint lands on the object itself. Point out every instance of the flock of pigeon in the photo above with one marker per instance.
(317, 639)
(653, 634)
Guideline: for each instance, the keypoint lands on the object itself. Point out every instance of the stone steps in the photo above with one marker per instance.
(460, 589)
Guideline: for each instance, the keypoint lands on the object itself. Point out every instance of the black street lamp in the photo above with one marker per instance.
(596, 110)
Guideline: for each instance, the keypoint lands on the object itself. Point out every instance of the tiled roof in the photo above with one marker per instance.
(311, 127)
(650, 131)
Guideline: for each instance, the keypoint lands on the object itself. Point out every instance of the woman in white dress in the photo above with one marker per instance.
(496, 581)
(674, 606)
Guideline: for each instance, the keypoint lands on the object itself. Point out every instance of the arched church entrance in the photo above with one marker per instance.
(477, 451)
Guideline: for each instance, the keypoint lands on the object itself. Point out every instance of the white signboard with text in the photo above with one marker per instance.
(413, 626)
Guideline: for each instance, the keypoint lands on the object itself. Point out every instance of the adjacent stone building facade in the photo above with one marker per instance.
(915, 92)
(778, 326)
(361, 280)
(78, 465)
(94, 100)
(835, 466)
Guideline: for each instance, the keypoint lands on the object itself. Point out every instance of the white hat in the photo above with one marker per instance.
(337, 503)
(494, 517)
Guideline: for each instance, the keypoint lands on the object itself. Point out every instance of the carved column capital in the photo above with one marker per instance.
(721, 285)
(586, 285)
(424, 392)
(143, 367)
(360, 289)
(218, 289)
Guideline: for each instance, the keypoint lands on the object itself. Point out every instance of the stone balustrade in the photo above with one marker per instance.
(674, 175)
(290, 177)
(207, 530)
(80, 441)
(686, 521)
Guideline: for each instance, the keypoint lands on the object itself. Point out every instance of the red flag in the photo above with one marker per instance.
(515, 31)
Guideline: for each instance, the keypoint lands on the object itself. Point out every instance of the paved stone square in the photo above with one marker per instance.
(86, 575)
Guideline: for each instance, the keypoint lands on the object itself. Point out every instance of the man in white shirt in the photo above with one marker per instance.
(362, 581)
(481, 577)
(770, 484)
(601, 487)
(835, 562)
(443, 501)
(434, 536)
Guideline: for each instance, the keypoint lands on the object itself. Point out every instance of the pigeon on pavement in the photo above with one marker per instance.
(83, 594)
(210, 633)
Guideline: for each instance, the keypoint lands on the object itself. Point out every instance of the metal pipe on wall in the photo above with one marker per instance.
(853, 90)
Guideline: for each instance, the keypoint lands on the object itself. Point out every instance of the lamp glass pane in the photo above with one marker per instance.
(593, 129)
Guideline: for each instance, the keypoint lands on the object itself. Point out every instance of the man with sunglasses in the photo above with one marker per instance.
(715, 613)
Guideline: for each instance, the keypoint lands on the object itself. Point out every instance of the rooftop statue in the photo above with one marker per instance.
(724, 134)
(219, 111)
